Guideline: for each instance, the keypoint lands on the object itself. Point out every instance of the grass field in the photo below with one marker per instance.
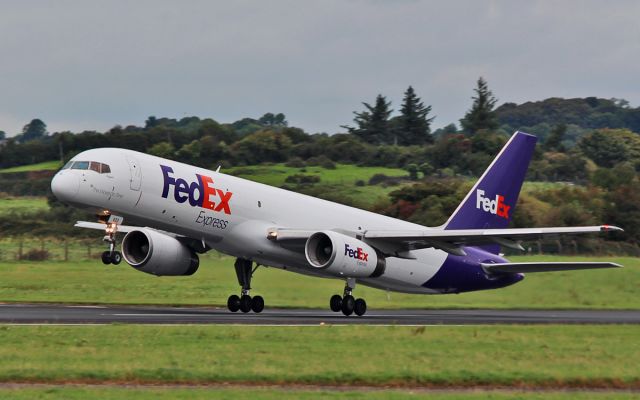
(23, 205)
(343, 174)
(160, 393)
(91, 282)
(43, 166)
(583, 356)
(339, 182)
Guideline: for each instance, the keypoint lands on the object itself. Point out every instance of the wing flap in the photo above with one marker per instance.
(527, 267)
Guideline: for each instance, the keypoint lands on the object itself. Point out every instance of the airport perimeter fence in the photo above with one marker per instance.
(49, 249)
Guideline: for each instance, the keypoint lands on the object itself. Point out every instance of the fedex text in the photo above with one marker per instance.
(200, 193)
(495, 206)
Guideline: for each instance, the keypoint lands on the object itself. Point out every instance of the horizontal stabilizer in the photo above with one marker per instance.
(527, 267)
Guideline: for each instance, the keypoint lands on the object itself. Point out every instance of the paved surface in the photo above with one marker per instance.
(64, 314)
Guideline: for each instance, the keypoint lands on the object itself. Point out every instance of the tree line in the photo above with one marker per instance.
(596, 164)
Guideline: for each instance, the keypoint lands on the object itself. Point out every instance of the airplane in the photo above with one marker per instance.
(179, 211)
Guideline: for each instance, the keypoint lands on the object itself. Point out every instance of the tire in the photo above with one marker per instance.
(335, 303)
(233, 303)
(360, 307)
(106, 258)
(348, 304)
(257, 304)
(116, 258)
(245, 303)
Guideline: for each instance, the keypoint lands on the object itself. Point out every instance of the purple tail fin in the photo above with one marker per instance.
(492, 200)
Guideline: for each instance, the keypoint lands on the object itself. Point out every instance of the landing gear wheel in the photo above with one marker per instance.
(348, 304)
(233, 303)
(116, 258)
(335, 303)
(257, 304)
(360, 307)
(245, 303)
(106, 257)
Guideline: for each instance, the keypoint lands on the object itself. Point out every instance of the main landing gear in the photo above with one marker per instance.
(111, 256)
(244, 302)
(347, 303)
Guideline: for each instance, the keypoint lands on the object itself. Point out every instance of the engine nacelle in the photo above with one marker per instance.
(155, 253)
(343, 256)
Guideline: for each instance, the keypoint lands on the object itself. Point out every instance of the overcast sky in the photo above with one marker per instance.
(93, 64)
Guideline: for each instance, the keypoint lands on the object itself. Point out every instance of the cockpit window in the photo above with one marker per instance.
(91, 165)
(80, 165)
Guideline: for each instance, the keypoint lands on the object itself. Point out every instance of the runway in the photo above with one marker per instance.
(69, 314)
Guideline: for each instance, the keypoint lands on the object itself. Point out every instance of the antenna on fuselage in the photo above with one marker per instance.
(218, 169)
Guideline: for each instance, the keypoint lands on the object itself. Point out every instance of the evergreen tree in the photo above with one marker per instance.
(481, 115)
(414, 126)
(35, 129)
(554, 141)
(373, 123)
(3, 135)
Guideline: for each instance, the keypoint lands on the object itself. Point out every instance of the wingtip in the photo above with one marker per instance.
(610, 228)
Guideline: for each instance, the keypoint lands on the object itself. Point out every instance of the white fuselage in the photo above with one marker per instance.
(236, 216)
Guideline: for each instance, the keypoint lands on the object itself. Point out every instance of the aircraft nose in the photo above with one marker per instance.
(65, 185)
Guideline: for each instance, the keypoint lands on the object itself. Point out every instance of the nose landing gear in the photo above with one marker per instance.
(112, 256)
(245, 302)
(347, 303)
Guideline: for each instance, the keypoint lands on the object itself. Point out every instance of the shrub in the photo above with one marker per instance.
(302, 179)
(296, 162)
(377, 179)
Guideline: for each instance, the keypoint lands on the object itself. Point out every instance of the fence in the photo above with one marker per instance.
(41, 249)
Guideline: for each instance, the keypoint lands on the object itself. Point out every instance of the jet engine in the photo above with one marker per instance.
(343, 256)
(156, 253)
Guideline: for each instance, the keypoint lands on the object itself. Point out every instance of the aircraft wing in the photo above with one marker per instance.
(526, 267)
(101, 227)
(451, 241)
(198, 245)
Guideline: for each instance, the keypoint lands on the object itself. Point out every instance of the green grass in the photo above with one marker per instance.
(160, 393)
(551, 356)
(23, 205)
(91, 282)
(275, 175)
(43, 166)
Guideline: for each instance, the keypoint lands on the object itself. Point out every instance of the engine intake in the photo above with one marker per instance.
(344, 256)
(155, 253)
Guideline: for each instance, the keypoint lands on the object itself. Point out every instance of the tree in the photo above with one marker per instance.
(414, 127)
(373, 123)
(481, 115)
(554, 141)
(605, 147)
(3, 135)
(151, 122)
(269, 119)
(36, 129)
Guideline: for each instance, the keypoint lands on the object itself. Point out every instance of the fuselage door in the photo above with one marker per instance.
(136, 173)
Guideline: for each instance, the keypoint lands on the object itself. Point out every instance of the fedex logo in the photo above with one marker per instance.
(358, 254)
(199, 193)
(495, 206)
